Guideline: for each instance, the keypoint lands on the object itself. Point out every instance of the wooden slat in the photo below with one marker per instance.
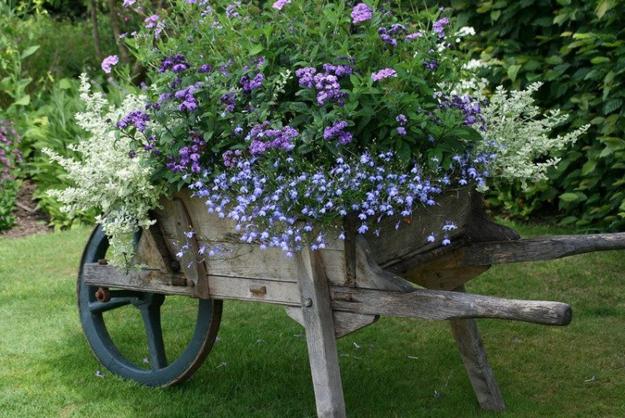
(344, 322)
(421, 303)
(220, 287)
(153, 281)
(444, 305)
(539, 248)
(473, 355)
(320, 337)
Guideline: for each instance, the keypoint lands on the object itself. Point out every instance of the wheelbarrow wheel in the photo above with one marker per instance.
(155, 369)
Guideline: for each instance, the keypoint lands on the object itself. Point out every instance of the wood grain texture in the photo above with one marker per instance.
(473, 355)
(539, 248)
(193, 268)
(344, 322)
(443, 305)
(419, 303)
(320, 336)
(155, 281)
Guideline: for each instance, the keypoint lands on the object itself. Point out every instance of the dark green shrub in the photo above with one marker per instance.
(9, 157)
(578, 49)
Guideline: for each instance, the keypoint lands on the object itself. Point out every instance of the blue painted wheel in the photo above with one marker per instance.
(155, 369)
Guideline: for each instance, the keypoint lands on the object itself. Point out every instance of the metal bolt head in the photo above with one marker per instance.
(308, 302)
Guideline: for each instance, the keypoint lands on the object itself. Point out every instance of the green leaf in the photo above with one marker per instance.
(23, 101)
(29, 51)
(65, 84)
(599, 60)
(569, 197)
(513, 71)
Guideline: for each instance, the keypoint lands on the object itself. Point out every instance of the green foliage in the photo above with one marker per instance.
(577, 48)
(8, 194)
(52, 126)
(9, 157)
(39, 60)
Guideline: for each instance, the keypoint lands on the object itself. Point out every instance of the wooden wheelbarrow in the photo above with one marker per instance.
(331, 292)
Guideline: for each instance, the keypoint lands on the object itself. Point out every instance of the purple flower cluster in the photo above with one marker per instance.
(9, 153)
(337, 130)
(279, 4)
(470, 107)
(340, 70)
(188, 156)
(229, 100)
(387, 34)
(151, 21)
(154, 22)
(186, 98)
(326, 83)
(231, 10)
(205, 68)
(361, 13)
(248, 84)
(306, 77)
(231, 157)
(439, 27)
(267, 213)
(383, 73)
(431, 65)
(109, 62)
(402, 120)
(413, 36)
(264, 138)
(150, 145)
(176, 63)
(137, 118)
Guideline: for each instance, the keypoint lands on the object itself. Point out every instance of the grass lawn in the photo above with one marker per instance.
(259, 367)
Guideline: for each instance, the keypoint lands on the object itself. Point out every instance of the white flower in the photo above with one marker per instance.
(520, 135)
(105, 177)
(465, 31)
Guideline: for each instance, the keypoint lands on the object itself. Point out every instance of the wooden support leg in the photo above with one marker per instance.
(475, 362)
(320, 337)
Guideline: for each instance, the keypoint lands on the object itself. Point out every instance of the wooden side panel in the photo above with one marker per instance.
(237, 259)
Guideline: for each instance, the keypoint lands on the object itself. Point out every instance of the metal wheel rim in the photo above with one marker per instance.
(94, 327)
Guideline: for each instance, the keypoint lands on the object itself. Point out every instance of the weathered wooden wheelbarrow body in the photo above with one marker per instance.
(331, 292)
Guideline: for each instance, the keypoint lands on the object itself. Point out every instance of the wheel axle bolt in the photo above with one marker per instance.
(308, 302)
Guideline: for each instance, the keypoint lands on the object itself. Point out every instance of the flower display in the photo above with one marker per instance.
(286, 118)
(109, 62)
(361, 13)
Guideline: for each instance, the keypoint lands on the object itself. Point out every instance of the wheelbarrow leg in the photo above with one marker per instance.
(475, 362)
(320, 336)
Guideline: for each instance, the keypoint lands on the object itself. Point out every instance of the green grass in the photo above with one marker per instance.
(259, 368)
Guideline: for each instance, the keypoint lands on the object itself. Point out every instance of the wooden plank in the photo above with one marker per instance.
(193, 268)
(539, 248)
(443, 305)
(344, 322)
(420, 303)
(154, 281)
(473, 355)
(320, 337)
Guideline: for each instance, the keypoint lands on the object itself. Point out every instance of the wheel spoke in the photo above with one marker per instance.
(114, 303)
(151, 314)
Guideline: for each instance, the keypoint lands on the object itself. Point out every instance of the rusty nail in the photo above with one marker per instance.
(258, 291)
(103, 294)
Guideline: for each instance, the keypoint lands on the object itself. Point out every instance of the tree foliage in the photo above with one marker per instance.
(577, 48)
